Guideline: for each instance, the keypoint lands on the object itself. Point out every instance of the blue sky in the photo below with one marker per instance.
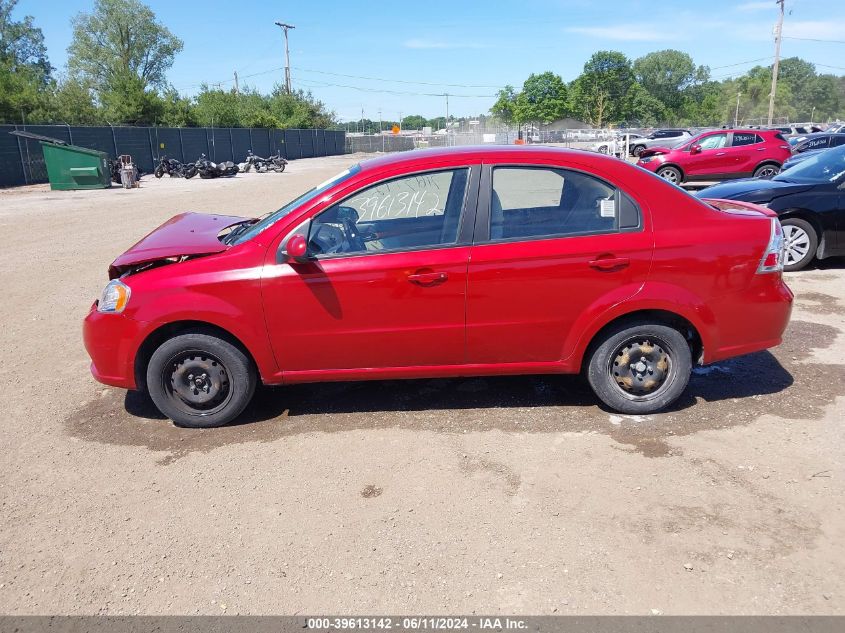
(467, 49)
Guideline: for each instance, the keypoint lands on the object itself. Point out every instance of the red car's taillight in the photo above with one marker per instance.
(772, 261)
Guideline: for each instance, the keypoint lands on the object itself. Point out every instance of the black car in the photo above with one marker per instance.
(822, 140)
(810, 200)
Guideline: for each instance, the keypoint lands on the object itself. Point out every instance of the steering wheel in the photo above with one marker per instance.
(328, 239)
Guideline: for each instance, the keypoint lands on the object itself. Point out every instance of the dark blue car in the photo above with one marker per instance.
(809, 198)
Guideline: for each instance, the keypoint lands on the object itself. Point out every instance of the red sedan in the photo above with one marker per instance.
(453, 262)
(719, 155)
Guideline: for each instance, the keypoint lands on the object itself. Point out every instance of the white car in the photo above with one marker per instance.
(607, 147)
(660, 138)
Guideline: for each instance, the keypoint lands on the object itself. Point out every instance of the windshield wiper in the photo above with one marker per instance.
(240, 228)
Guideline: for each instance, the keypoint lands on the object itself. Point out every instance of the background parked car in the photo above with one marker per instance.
(718, 155)
(809, 200)
(618, 144)
(659, 138)
(821, 140)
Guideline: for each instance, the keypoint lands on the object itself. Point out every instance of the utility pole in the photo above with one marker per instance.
(778, 37)
(736, 116)
(400, 121)
(447, 118)
(379, 130)
(236, 82)
(285, 28)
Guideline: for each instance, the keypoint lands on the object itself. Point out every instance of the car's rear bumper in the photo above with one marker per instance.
(756, 321)
(111, 341)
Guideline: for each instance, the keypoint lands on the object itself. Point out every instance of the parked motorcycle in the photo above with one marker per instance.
(208, 169)
(169, 166)
(262, 165)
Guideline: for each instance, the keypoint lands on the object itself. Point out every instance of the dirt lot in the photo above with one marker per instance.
(486, 495)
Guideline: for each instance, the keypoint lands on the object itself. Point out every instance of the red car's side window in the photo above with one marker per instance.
(409, 212)
(537, 202)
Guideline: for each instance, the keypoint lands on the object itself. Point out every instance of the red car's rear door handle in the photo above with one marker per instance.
(610, 263)
(427, 279)
(720, 153)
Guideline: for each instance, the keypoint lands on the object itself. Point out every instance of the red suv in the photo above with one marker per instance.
(719, 155)
(450, 262)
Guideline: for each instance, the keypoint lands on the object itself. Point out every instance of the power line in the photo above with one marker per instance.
(750, 61)
(320, 84)
(398, 81)
(813, 39)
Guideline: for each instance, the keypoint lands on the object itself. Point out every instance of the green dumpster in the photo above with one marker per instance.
(73, 167)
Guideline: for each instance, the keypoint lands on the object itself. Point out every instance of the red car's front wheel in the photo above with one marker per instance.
(199, 380)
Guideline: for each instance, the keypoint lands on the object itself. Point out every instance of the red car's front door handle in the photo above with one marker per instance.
(427, 279)
(720, 153)
(610, 263)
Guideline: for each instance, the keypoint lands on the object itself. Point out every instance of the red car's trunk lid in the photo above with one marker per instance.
(739, 208)
(183, 234)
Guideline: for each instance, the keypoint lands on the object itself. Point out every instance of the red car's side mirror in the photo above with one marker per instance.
(295, 249)
(695, 149)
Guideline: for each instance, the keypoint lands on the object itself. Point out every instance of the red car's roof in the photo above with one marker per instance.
(482, 152)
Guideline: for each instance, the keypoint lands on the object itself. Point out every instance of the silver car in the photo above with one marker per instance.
(660, 138)
(606, 147)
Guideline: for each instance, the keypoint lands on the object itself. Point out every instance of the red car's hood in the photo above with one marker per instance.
(653, 151)
(183, 234)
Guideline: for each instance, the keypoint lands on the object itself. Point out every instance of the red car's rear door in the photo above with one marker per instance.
(395, 295)
(552, 246)
(747, 150)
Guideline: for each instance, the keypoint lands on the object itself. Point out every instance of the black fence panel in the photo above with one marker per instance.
(260, 142)
(135, 141)
(319, 142)
(306, 143)
(11, 159)
(22, 160)
(101, 139)
(292, 147)
(167, 141)
(194, 143)
(241, 144)
(277, 142)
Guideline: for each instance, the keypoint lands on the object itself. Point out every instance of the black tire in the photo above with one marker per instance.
(602, 149)
(662, 354)
(159, 172)
(280, 168)
(800, 243)
(212, 398)
(190, 171)
(672, 174)
(767, 170)
(638, 149)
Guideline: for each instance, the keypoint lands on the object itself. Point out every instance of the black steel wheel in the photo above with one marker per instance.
(199, 380)
(640, 367)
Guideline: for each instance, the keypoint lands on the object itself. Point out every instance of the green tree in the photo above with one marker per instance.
(123, 51)
(543, 99)
(600, 93)
(72, 102)
(414, 122)
(505, 106)
(667, 74)
(24, 68)
(642, 109)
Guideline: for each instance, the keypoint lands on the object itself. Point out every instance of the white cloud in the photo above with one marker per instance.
(756, 6)
(814, 29)
(622, 32)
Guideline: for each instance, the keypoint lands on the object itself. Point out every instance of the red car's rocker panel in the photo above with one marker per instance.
(453, 262)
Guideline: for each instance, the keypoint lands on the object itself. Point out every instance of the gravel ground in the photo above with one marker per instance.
(494, 495)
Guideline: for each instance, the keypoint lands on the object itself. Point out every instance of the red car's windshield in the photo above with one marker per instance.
(271, 218)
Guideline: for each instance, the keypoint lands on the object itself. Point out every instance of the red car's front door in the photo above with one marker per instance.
(713, 159)
(559, 245)
(386, 286)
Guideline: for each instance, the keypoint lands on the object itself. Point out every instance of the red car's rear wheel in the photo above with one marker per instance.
(640, 367)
